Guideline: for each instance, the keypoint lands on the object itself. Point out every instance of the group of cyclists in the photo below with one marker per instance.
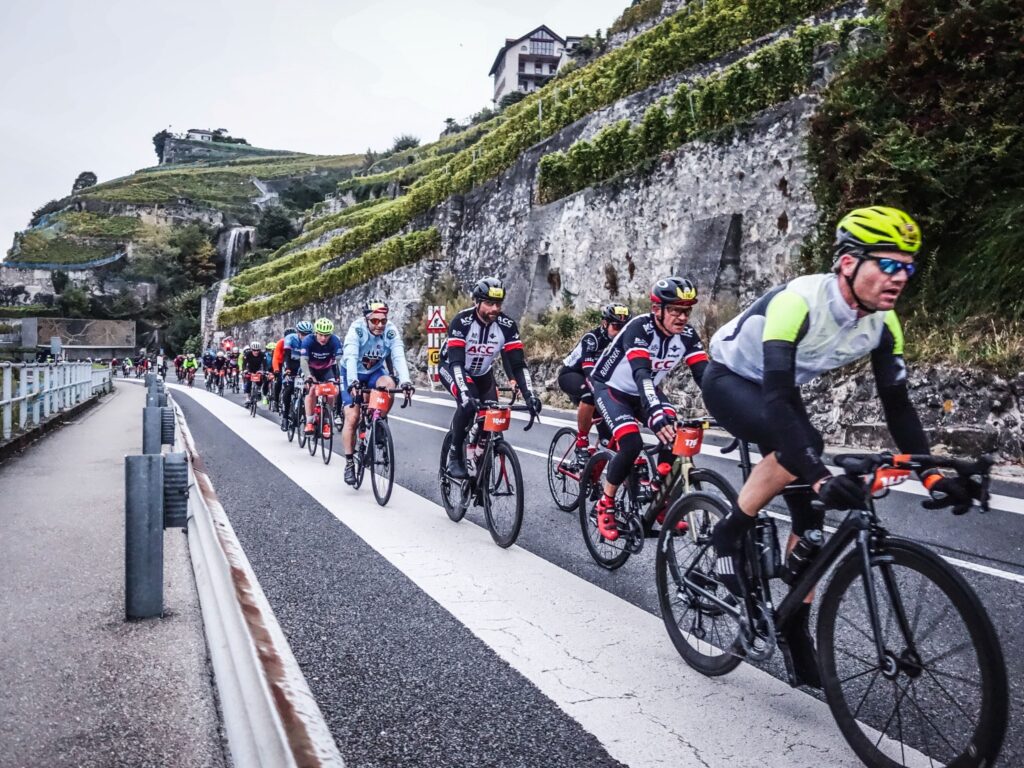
(749, 377)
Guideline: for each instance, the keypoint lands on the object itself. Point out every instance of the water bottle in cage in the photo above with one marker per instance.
(767, 538)
(804, 551)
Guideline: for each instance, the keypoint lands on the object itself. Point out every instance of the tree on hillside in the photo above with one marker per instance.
(369, 158)
(482, 116)
(509, 99)
(201, 264)
(221, 135)
(274, 228)
(84, 180)
(404, 142)
(159, 139)
(73, 302)
(60, 280)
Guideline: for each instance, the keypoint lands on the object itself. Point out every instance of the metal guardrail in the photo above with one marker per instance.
(38, 391)
(270, 716)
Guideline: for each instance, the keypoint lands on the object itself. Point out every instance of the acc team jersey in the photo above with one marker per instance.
(640, 339)
(321, 356)
(584, 355)
(482, 343)
(365, 353)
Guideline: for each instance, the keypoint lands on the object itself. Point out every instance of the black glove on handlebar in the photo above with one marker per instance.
(843, 492)
(956, 492)
(534, 403)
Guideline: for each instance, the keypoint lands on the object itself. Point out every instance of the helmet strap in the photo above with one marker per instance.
(849, 282)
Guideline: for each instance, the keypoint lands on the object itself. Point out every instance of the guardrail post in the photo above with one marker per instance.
(22, 402)
(6, 394)
(151, 429)
(144, 531)
(36, 391)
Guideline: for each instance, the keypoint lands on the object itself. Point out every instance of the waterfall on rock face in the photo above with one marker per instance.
(237, 242)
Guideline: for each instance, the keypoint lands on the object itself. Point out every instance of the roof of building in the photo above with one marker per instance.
(509, 42)
(199, 130)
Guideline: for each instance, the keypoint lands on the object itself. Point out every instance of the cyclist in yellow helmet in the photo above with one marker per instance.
(790, 335)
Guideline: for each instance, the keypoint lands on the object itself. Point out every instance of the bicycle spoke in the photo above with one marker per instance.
(934, 625)
(856, 712)
(913, 700)
(857, 629)
(888, 722)
(949, 696)
(968, 643)
(858, 674)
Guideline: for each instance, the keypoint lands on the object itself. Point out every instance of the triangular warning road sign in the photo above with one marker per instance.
(435, 322)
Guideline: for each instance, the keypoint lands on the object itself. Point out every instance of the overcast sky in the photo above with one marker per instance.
(84, 84)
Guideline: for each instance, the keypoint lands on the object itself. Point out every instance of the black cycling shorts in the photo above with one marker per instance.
(737, 403)
(623, 412)
(574, 384)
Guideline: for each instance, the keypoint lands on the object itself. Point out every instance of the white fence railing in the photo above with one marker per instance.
(32, 393)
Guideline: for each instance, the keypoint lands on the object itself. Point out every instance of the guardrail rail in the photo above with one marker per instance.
(31, 393)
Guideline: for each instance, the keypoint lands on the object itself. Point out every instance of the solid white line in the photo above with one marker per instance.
(998, 502)
(570, 638)
(1008, 575)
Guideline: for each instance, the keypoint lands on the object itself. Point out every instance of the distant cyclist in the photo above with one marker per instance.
(318, 357)
(292, 352)
(626, 381)
(277, 368)
(576, 367)
(254, 361)
(793, 333)
(373, 348)
(476, 336)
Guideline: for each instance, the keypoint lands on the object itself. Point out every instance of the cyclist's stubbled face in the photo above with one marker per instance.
(488, 310)
(874, 287)
(376, 322)
(612, 328)
(672, 317)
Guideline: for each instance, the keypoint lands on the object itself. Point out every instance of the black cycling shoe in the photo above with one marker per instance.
(798, 648)
(456, 469)
(350, 473)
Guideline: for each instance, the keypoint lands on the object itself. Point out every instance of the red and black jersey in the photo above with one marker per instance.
(586, 352)
(473, 345)
(640, 357)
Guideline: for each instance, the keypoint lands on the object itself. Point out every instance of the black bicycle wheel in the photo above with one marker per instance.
(941, 689)
(607, 554)
(382, 476)
(326, 430)
(702, 631)
(451, 490)
(252, 404)
(300, 422)
(564, 470)
(503, 494)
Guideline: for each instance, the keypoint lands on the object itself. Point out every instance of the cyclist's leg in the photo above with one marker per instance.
(462, 417)
(574, 384)
(319, 376)
(380, 378)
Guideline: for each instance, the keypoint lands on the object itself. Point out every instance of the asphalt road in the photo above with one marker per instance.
(402, 681)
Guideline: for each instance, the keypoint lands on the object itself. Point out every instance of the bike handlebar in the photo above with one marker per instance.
(511, 406)
(869, 463)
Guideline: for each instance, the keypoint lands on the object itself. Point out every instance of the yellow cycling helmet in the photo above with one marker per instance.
(323, 325)
(877, 228)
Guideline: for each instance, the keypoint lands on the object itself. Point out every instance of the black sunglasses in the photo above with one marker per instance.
(892, 266)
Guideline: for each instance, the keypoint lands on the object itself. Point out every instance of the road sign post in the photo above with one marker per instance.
(436, 329)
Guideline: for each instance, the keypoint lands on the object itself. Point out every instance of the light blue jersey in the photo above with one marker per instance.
(365, 353)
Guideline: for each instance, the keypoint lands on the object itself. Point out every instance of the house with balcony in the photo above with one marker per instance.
(526, 63)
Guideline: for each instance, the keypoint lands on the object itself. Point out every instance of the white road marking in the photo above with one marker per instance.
(965, 564)
(576, 642)
(998, 502)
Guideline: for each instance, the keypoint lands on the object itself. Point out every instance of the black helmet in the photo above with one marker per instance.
(489, 289)
(375, 305)
(615, 313)
(289, 331)
(674, 290)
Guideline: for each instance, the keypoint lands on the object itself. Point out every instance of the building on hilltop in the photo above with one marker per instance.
(526, 63)
(199, 134)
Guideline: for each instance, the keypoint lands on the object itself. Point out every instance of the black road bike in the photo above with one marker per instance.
(638, 502)
(374, 446)
(255, 387)
(495, 478)
(909, 660)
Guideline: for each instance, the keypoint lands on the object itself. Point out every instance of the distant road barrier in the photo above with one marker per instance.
(30, 394)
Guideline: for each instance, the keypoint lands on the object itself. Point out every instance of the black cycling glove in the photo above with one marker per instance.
(956, 492)
(843, 492)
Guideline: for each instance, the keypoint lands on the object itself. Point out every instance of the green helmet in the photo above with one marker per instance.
(877, 228)
(323, 325)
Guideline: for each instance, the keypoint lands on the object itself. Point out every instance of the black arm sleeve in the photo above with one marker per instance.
(787, 416)
(697, 371)
(900, 415)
